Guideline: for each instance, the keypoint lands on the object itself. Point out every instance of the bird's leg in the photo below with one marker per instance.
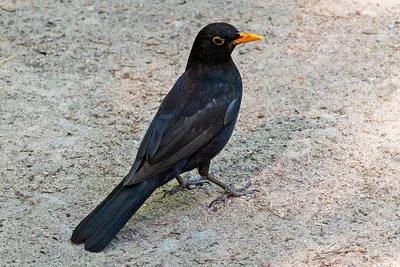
(186, 183)
(229, 190)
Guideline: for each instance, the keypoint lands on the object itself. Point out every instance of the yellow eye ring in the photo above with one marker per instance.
(218, 40)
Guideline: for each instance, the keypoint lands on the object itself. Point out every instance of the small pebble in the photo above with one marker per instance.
(393, 24)
(174, 36)
(178, 24)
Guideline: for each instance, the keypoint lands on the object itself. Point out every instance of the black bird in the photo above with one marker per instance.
(192, 125)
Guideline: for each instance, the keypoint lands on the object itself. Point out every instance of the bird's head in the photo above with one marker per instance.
(215, 43)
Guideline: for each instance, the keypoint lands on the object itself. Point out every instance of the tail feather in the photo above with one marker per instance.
(88, 225)
(108, 218)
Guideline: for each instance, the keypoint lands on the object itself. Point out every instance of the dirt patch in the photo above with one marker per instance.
(318, 132)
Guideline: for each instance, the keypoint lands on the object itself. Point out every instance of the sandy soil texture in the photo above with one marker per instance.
(318, 134)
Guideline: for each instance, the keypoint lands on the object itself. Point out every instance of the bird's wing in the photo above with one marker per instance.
(175, 134)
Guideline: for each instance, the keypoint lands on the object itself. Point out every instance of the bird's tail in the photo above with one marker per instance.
(107, 219)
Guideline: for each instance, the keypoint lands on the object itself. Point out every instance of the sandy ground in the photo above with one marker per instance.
(318, 132)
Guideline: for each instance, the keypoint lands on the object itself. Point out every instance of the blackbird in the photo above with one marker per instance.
(193, 124)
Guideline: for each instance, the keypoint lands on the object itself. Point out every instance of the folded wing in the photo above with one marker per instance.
(176, 133)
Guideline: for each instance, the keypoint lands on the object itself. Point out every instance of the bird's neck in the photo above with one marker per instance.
(194, 62)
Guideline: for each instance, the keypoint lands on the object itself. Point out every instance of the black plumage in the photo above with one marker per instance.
(193, 124)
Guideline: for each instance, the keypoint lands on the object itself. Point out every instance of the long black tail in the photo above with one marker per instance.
(107, 219)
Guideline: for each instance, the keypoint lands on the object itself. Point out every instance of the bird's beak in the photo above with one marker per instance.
(245, 38)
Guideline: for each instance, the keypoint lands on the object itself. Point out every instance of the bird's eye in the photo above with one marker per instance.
(218, 40)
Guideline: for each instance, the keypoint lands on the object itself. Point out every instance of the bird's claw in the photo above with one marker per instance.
(229, 192)
(186, 183)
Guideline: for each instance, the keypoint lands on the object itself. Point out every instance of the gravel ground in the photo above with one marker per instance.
(318, 132)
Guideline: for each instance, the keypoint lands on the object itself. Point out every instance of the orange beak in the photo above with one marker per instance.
(246, 38)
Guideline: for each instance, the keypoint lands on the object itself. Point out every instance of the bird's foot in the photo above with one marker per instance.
(231, 192)
(186, 183)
